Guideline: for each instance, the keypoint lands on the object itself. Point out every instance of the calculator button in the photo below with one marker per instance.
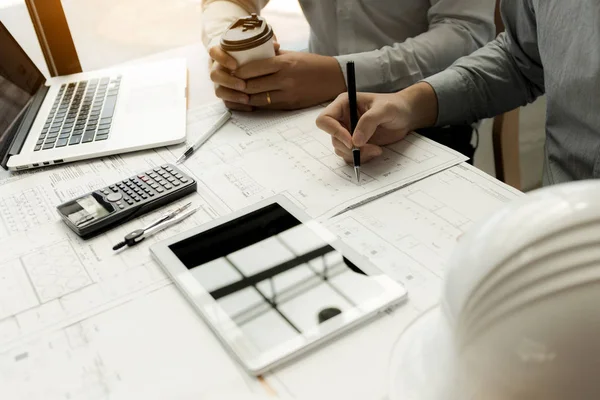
(105, 191)
(178, 176)
(120, 185)
(154, 185)
(144, 196)
(136, 198)
(157, 169)
(129, 201)
(153, 175)
(114, 197)
(160, 190)
(113, 188)
(176, 183)
(168, 187)
(146, 190)
(121, 206)
(171, 179)
(151, 194)
(163, 182)
(184, 180)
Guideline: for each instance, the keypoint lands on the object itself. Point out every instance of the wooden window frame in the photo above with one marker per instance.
(53, 33)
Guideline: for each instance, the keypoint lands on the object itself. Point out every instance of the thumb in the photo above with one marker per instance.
(367, 125)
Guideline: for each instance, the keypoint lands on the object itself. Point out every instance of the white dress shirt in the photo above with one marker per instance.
(394, 43)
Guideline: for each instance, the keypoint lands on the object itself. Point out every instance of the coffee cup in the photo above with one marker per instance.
(248, 39)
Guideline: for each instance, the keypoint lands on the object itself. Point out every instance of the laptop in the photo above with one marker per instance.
(86, 115)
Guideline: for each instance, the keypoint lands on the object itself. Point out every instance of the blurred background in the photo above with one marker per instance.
(108, 32)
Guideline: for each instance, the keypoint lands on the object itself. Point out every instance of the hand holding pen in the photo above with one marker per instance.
(383, 119)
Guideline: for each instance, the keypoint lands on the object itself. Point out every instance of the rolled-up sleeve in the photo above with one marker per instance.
(456, 28)
(505, 74)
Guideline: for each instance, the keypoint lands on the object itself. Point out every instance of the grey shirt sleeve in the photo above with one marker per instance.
(456, 29)
(504, 75)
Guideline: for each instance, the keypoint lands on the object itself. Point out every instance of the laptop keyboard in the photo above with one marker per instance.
(81, 113)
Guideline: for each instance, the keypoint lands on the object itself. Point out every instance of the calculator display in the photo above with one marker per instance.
(83, 208)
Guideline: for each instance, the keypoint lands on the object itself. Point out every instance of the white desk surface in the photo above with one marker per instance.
(155, 346)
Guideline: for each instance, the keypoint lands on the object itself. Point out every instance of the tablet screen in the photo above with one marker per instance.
(274, 277)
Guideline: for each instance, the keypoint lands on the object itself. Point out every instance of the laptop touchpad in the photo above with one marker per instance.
(151, 98)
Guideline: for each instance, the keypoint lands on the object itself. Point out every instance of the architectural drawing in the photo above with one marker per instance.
(255, 157)
(49, 277)
(411, 233)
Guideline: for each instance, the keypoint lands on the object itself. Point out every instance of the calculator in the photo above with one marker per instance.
(106, 208)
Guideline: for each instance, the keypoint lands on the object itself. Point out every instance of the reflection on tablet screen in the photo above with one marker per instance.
(274, 277)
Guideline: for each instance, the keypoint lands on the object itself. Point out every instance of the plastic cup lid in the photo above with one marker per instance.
(246, 33)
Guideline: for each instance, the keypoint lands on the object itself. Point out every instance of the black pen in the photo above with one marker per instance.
(353, 114)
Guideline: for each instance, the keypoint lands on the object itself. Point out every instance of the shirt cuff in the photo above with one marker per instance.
(217, 17)
(369, 75)
(448, 86)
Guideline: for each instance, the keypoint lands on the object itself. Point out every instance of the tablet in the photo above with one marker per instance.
(273, 284)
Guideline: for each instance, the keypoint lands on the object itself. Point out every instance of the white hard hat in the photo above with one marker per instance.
(519, 317)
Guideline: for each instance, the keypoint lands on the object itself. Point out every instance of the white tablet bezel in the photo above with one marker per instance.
(254, 361)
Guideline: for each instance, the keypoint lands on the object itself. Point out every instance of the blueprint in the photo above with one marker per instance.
(410, 234)
(407, 234)
(257, 155)
(49, 277)
(154, 347)
(76, 318)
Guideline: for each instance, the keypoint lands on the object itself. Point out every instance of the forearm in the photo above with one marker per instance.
(456, 28)
(217, 15)
(485, 84)
(421, 101)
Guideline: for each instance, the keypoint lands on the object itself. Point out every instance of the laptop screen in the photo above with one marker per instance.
(19, 81)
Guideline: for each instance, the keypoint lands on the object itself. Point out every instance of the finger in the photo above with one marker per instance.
(221, 57)
(263, 84)
(337, 109)
(258, 68)
(262, 99)
(330, 121)
(341, 147)
(346, 157)
(369, 151)
(238, 107)
(231, 95)
(367, 125)
(222, 77)
(276, 44)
